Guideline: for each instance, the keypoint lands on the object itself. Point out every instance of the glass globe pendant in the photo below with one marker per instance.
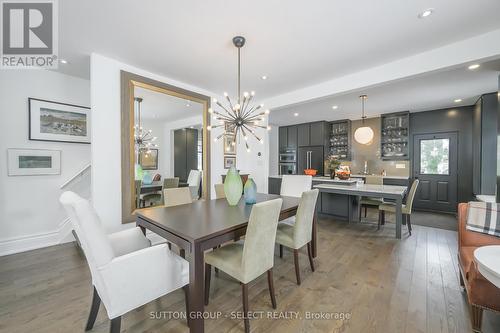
(363, 134)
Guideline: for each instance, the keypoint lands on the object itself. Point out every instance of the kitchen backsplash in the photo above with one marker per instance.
(371, 154)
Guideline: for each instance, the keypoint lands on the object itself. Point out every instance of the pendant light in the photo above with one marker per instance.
(363, 134)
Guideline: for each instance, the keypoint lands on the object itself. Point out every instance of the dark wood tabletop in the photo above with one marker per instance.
(208, 218)
(203, 225)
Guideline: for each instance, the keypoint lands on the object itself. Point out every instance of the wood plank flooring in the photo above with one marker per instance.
(378, 283)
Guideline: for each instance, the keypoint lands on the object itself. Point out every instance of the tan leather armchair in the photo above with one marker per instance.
(481, 293)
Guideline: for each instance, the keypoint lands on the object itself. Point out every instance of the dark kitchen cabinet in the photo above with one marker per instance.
(287, 137)
(395, 134)
(292, 136)
(311, 134)
(185, 152)
(317, 134)
(303, 135)
(274, 185)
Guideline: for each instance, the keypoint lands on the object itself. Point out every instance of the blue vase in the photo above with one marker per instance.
(147, 179)
(250, 192)
(233, 187)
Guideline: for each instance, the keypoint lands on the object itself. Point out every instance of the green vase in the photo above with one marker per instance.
(233, 187)
(139, 173)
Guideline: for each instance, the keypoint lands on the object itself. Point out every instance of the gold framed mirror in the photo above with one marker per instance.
(135, 155)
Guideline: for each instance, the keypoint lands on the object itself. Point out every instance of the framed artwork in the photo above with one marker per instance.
(33, 162)
(229, 161)
(148, 160)
(229, 140)
(53, 121)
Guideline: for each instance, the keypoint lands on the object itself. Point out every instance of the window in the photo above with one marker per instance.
(435, 156)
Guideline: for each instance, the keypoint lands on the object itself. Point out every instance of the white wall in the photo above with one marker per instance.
(30, 213)
(106, 152)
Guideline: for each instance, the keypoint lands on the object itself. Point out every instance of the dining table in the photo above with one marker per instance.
(391, 192)
(204, 225)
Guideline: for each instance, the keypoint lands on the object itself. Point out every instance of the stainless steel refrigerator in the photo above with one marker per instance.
(310, 158)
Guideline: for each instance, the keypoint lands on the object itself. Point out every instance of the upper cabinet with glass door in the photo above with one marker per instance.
(395, 133)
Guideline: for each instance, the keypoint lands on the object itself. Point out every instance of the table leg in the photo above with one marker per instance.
(399, 217)
(143, 229)
(314, 241)
(196, 301)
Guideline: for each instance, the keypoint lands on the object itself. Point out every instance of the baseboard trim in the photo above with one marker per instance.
(32, 242)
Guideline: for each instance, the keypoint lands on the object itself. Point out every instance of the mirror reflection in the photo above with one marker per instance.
(168, 148)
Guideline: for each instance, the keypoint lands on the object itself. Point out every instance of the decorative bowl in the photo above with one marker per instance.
(343, 175)
(311, 172)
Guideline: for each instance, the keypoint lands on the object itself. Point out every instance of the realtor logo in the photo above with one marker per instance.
(29, 34)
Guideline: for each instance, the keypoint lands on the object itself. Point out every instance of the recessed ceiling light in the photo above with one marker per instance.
(264, 77)
(335, 107)
(458, 100)
(426, 13)
(63, 61)
(188, 105)
(295, 114)
(191, 126)
(474, 66)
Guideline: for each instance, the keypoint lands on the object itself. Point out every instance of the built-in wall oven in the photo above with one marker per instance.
(288, 168)
(288, 162)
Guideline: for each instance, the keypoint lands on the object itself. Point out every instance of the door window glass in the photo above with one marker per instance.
(435, 156)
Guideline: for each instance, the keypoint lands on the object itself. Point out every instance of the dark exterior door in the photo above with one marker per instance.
(435, 165)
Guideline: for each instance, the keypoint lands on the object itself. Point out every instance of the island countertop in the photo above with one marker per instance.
(327, 178)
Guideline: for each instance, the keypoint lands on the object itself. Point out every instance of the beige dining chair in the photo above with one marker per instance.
(177, 196)
(364, 202)
(169, 183)
(248, 260)
(406, 208)
(300, 234)
(219, 191)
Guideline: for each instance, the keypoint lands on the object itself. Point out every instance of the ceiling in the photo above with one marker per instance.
(296, 44)
(162, 107)
(422, 93)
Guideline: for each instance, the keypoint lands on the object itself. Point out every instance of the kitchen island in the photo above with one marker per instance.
(339, 206)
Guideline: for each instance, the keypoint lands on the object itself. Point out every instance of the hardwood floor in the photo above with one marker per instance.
(379, 283)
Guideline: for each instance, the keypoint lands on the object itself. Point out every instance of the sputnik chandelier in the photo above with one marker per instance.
(143, 139)
(239, 119)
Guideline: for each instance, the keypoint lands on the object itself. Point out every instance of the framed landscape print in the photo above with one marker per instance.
(229, 161)
(149, 160)
(33, 162)
(53, 121)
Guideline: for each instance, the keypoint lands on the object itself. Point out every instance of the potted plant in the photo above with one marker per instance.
(332, 163)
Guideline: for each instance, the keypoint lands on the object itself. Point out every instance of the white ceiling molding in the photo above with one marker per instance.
(479, 48)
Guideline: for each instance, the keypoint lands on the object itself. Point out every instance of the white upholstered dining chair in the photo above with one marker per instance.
(194, 182)
(177, 196)
(294, 186)
(219, 191)
(127, 272)
(300, 234)
(255, 256)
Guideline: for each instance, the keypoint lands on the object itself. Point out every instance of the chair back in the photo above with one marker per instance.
(219, 191)
(294, 185)
(157, 177)
(170, 182)
(177, 196)
(138, 186)
(194, 181)
(411, 195)
(374, 180)
(302, 229)
(258, 249)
